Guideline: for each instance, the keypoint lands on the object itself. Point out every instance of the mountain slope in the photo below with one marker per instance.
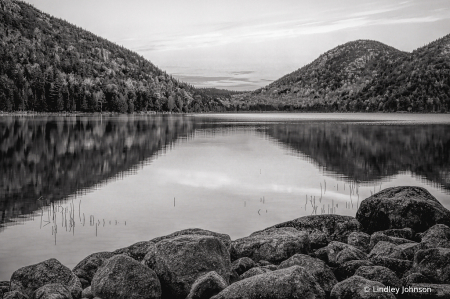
(47, 64)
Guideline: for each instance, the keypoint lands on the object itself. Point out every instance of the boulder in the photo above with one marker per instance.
(196, 231)
(426, 290)
(386, 249)
(434, 263)
(357, 287)
(273, 245)
(179, 261)
(294, 283)
(87, 293)
(349, 268)
(360, 240)
(207, 286)
(409, 249)
(401, 207)
(399, 266)
(242, 265)
(30, 278)
(122, 277)
(404, 233)
(436, 236)
(85, 270)
(52, 291)
(253, 272)
(136, 251)
(4, 288)
(330, 253)
(414, 278)
(335, 227)
(316, 267)
(15, 295)
(380, 236)
(350, 254)
(380, 274)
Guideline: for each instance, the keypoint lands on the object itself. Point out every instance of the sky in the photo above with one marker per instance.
(247, 44)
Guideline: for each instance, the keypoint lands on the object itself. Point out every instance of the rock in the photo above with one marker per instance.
(335, 227)
(85, 270)
(360, 240)
(273, 245)
(426, 290)
(316, 267)
(4, 288)
(318, 239)
(434, 263)
(401, 207)
(87, 293)
(403, 233)
(379, 236)
(253, 272)
(52, 291)
(197, 231)
(293, 283)
(357, 287)
(136, 251)
(397, 265)
(30, 278)
(350, 254)
(263, 263)
(15, 295)
(207, 286)
(234, 277)
(122, 277)
(270, 267)
(386, 249)
(349, 268)
(242, 265)
(436, 236)
(409, 249)
(380, 274)
(414, 278)
(179, 261)
(330, 253)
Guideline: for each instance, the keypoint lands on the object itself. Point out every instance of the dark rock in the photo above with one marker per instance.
(397, 265)
(434, 263)
(179, 261)
(316, 267)
(380, 274)
(409, 249)
(242, 265)
(414, 278)
(360, 240)
(87, 293)
(350, 254)
(207, 286)
(426, 290)
(273, 245)
(4, 288)
(52, 291)
(404, 233)
(293, 283)
(349, 268)
(263, 263)
(15, 295)
(85, 270)
(386, 249)
(122, 277)
(318, 239)
(330, 253)
(357, 287)
(335, 227)
(436, 236)
(30, 278)
(197, 231)
(379, 236)
(234, 277)
(401, 207)
(136, 251)
(253, 272)
(270, 267)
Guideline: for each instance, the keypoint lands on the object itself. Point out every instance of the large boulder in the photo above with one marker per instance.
(52, 291)
(294, 282)
(334, 227)
(30, 278)
(85, 270)
(349, 268)
(207, 286)
(357, 287)
(316, 267)
(242, 265)
(434, 263)
(196, 231)
(122, 277)
(436, 236)
(136, 251)
(401, 207)
(180, 260)
(380, 274)
(388, 250)
(273, 245)
(426, 291)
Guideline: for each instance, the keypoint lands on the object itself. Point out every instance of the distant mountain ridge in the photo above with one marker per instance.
(363, 75)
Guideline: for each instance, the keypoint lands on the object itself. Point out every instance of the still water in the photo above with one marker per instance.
(71, 186)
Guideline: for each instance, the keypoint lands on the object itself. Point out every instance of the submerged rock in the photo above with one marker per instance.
(122, 277)
(52, 291)
(273, 245)
(85, 270)
(207, 286)
(357, 287)
(28, 279)
(400, 207)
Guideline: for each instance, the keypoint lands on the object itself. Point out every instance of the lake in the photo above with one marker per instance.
(75, 185)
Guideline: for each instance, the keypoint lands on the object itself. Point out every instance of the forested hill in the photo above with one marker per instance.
(47, 64)
(362, 76)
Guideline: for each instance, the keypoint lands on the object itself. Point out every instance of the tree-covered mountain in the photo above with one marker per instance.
(47, 64)
(362, 76)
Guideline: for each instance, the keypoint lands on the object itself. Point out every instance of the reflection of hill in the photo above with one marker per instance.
(54, 157)
(372, 152)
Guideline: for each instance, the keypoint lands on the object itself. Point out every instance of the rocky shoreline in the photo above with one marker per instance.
(397, 246)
